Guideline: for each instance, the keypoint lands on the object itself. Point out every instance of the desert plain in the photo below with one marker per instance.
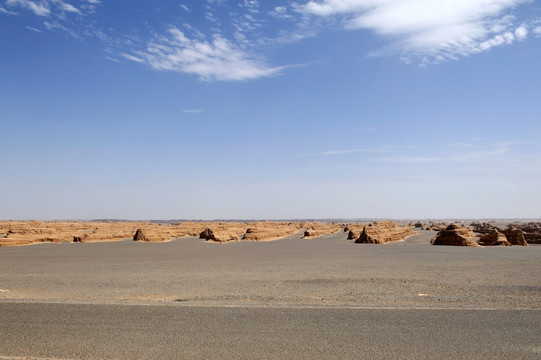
(87, 290)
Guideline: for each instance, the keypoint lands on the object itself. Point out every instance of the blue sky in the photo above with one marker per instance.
(264, 110)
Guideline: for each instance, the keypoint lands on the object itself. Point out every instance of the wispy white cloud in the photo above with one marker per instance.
(33, 29)
(379, 149)
(400, 159)
(281, 12)
(235, 45)
(57, 26)
(431, 30)
(192, 111)
(340, 152)
(4, 11)
(457, 154)
(46, 7)
(68, 7)
(251, 5)
(483, 152)
(454, 154)
(132, 58)
(39, 8)
(218, 59)
(113, 59)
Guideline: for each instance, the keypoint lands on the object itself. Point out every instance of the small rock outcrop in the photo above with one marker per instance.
(139, 236)
(515, 236)
(482, 228)
(207, 234)
(532, 232)
(383, 232)
(495, 238)
(317, 229)
(354, 230)
(437, 226)
(455, 235)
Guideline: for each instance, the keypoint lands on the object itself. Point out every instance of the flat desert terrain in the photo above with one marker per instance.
(324, 296)
(325, 271)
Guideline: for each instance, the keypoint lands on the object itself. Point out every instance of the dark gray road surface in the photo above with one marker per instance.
(90, 331)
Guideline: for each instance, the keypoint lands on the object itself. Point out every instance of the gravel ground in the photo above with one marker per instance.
(327, 271)
(90, 331)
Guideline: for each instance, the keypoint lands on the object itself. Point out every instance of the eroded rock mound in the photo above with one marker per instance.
(495, 238)
(531, 232)
(317, 229)
(224, 232)
(515, 236)
(455, 235)
(268, 231)
(383, 232)
(354, 230)
(139, 236)
(207, 234)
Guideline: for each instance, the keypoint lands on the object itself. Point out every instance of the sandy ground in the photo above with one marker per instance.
(293, 298)
(325, 271)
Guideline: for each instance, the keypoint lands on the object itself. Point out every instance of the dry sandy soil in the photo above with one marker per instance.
(301, 297)
(295, 271)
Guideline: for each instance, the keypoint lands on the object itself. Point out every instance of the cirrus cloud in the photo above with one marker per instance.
(218, 59)
(431, 30)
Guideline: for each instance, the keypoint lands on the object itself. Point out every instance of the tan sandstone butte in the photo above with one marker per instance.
(383, 232)
(139, 236)
(268, 231)
(317, 229)
(495, 238)
(354, 230)
(532, 232)
(223, 232)
(455, 235)
(515, 236)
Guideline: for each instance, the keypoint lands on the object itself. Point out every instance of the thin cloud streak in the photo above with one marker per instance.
(380, 149)
(4, 11)
(132, 58)
(472, 153)
(57, 26)
(34, 29)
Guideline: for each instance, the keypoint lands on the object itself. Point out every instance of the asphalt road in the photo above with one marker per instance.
(177, 331)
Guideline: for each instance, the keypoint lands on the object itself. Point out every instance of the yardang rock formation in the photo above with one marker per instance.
(455, 235)
(383, 232)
